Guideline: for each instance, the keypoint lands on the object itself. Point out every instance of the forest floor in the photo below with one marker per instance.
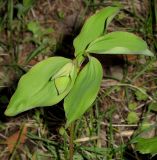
(127, 102)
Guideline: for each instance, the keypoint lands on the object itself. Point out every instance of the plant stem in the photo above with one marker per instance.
(71, 144)
(17, 142)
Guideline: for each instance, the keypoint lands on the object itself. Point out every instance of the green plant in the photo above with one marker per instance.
(24, 7)
(12, 23)
(38, 31)
(40, 39)
(146, 145)
(76, 81)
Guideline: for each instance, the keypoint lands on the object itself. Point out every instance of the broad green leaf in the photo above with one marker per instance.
(84, 91)
(93, 28)
(39, 87)
(147, 146)
(119, 43)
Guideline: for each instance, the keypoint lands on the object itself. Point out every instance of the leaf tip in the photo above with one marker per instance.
(8, 113)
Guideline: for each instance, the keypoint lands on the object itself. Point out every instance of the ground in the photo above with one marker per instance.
(125, 106)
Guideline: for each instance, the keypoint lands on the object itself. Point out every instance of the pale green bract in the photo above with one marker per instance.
(84, 91)
(62, 78)
(41, 85)
(93, 28)
(119, 43)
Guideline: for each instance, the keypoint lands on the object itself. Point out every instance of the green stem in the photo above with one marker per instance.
(71, 144)
(12, 155)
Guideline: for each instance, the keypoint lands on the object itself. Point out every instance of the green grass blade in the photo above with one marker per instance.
(10, 13)
(36, 52)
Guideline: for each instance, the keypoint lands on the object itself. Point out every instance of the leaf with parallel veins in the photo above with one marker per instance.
(84, 91)
(37, 87)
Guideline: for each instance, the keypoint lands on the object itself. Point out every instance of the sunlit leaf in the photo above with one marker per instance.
(84, 91)
(93, 28)
(119, 43)
(147, 146)
(37, 87)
